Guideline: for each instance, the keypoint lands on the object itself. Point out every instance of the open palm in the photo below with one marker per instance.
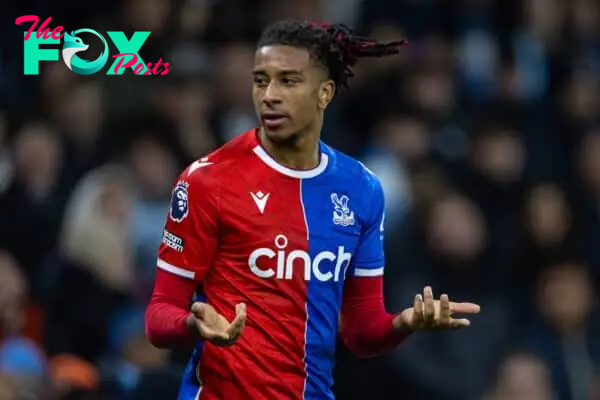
(429, 314)
(214, 327)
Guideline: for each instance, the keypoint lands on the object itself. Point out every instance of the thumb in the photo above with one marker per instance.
(240, 309)
(237, 325)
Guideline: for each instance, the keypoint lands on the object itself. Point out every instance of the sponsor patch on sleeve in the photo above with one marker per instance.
(173, 241)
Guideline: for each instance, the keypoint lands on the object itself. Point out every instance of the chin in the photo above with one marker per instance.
(280, 136)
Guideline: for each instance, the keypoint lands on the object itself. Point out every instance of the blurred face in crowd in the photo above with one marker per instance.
(290, 92)
(427, 185)
(189, 106)
(523, 377)
(154, 166)
(55, 81)
(300, 10)
(500, 156)
(115, 201)
(407, 137)
(235, 62)
(37, 156)
(565, 297)
(148, 15)
(581, 98)
(544, 17)
(456, 229)
(80, 112)
(432, 91)
(586, 16)
(547, 215)
(194, 18)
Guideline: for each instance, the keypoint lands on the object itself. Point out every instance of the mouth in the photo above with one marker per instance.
(273, 120)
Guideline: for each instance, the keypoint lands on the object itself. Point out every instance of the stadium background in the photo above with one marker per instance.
(484, 132)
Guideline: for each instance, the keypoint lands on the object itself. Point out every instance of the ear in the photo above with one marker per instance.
(326, 93)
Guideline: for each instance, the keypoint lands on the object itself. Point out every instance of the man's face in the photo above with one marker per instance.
(289, 91)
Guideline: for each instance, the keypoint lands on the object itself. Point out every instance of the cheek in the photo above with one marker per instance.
(306, 112)
(256, 97)
(307, 104)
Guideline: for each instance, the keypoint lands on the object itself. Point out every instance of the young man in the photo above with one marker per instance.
(280, 227)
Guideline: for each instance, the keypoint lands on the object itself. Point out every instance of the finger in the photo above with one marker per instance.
(240, 308)
(444, 309)
(429, 304)
(237, 325)
(459, 323)
(464, 308)
(418, 309)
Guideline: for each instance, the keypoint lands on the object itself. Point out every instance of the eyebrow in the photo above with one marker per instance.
(283, 72)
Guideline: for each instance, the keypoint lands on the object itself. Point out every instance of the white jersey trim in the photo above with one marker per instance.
(368, 272)
(162, 264)
(300, 174)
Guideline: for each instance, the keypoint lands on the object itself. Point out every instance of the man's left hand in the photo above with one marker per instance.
(428, 314)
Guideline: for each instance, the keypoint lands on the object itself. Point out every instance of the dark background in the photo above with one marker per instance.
(484, 132)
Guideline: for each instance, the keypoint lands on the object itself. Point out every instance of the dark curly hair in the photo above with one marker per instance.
(335, 46)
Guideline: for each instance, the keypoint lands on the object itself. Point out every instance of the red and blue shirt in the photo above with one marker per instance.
(283, 241)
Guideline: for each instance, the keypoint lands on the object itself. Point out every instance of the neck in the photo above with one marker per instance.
(301, 153)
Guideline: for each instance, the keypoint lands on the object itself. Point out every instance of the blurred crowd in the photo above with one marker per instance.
(484, 132)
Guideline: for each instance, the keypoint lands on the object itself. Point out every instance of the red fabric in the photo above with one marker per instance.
(168, 310)
(366, 328)
(193, 231)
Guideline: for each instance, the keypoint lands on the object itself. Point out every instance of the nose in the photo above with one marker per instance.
(272, 94)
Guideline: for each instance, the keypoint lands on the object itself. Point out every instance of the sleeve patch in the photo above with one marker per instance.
(172, 241)
(179, 202)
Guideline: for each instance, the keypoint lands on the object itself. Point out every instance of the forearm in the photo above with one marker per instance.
(168, 312)
(367, 329)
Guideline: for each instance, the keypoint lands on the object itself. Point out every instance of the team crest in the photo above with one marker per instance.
(341, 213)
(179, 202)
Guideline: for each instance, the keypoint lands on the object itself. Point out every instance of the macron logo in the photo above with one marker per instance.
(203, 162)
(260, 199)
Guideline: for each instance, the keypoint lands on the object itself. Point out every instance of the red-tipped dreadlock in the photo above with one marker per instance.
(334, 45)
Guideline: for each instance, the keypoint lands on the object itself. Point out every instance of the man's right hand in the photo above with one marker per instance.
(214, 327)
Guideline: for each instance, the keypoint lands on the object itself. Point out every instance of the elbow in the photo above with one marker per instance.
(358, 347)
(155, 340)
(152, 332)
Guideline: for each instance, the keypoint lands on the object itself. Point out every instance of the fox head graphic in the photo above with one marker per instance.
(72, 45)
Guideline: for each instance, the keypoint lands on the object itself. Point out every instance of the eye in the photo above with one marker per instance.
(260, 81)
(289, 81)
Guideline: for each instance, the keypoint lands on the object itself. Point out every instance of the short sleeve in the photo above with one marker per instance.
(190, 236)
(369, 258)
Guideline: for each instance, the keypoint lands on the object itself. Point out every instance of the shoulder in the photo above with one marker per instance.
(210, 170)
(358, 176)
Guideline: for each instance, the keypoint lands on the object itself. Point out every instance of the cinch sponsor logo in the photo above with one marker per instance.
(128, 56)
(324, 267)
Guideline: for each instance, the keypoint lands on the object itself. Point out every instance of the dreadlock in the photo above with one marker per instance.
(335, 46)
